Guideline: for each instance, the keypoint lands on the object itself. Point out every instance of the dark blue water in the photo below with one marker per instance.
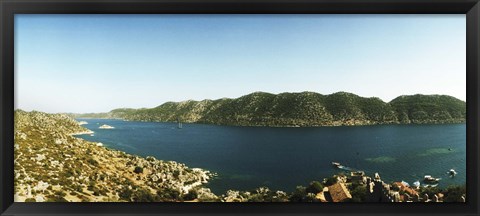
(281, 158)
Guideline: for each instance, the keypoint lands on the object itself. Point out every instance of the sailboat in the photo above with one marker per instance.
(452, 173)
(179, 123)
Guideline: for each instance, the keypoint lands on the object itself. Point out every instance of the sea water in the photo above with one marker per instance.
(246, 158)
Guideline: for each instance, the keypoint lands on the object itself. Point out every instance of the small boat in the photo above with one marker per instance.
(449, 149)
(429, 185)
(106, 127)
(179, 123)
(452, 172)
(416, 184)
(430, 180)
(336, 164)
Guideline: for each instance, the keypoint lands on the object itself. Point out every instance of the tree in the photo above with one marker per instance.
(358, 192)
(314, 187)
(331, 181)
(299, 194)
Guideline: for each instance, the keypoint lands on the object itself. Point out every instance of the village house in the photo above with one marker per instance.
(409, 195)
(338, 193)
(358, 177)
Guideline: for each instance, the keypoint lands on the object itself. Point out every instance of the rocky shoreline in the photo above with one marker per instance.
(53, 165)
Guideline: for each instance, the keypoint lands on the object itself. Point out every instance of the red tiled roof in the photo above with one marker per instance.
(405, 188)
(339, 192)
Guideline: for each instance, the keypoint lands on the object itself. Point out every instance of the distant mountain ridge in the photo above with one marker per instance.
(301, 109)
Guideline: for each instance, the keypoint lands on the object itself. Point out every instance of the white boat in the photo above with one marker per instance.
(452, 172)
(179, 123)
(336, 164)
(106, 127)
(430, 185)
(430, 180)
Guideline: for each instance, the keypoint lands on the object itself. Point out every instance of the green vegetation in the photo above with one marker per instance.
(314, 187)
(138, 170)
(301, 109)
(452, 193)
(358, 192)
(421, 109)
(331, 181)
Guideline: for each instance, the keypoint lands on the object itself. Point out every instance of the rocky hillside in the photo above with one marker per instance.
(53, 165)
(301, 109)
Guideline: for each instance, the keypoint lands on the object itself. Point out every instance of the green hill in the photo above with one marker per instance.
(302, 109)
(420, 109)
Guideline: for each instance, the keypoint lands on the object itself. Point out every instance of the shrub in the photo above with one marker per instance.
(138, 170)
(56, 198)
(30, 200)
(176, 173)
(169, 195)
(125, 194)
(92, 162)
(191, 195)
(143, 195)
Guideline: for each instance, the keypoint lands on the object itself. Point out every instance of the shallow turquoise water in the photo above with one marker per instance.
(281, 158)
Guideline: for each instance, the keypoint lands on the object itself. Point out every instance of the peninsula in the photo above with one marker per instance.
(54, 166)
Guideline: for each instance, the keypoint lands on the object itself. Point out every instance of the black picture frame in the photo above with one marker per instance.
(8, 8)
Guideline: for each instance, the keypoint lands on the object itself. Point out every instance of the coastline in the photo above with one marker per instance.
(332, 124)
(79, 170)
(194, 128)
(74, 170)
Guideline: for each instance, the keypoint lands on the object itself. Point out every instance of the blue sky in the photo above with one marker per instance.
(95, 63)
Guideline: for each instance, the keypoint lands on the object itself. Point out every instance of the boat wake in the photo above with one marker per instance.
(342, 167)
(345, 168)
